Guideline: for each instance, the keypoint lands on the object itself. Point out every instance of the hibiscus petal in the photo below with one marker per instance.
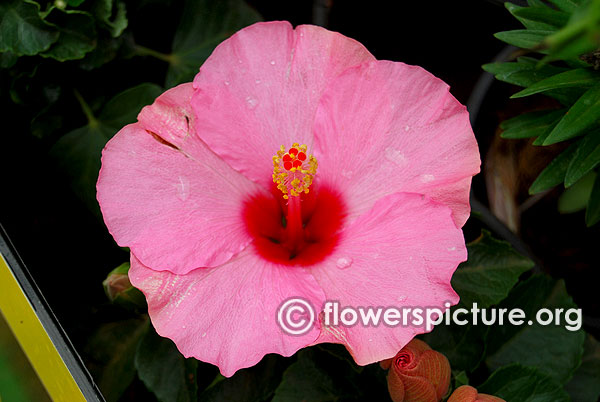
(175, 211)
(402, 253)
(227, 315)
(260, 90)
(385, 127)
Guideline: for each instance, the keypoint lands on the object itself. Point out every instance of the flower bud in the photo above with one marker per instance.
(119, 290)
(467, 393)
(418, 374)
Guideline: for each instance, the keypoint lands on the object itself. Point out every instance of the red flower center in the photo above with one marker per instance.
(403, 359)
(301, 230)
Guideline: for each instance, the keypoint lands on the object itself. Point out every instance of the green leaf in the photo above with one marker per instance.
(567, 6)
(463, 345)
(576, 197)
(523, 384)
(555, 172)
(164, 371)
(581, 77)
(552, 349)
(585, 384)
(112, 15)
(538, 18)
(524, 38)
(460, 379)
(492, 269)
(531, 124)
(111, 352)
(252, 384)
(77, 34)
(204, 24)
(584, 114)
(22, 31)
(592, 213)
(526, 71)
(7, 59)
(304, 380)
(587, 157)
(78, 152)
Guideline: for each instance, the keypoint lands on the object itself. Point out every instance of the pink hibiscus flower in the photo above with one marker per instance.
(295, 165)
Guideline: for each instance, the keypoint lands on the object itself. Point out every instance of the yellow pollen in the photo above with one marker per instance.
(294, 170)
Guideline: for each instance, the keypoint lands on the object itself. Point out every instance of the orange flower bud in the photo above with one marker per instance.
(418, 374)
(467, 393)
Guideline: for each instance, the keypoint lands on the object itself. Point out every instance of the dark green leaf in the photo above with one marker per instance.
(584, 114)
(585, 384)
(492, 269)
(304, 380)
(592, 213)
(169, 375)
(587, 157)
(124, 108)
(524, 38)
(524, 72)
(252, 384)
(553, 349)
(538, 18)
(463, 345)
(567, 6)
(112, 15)
(576, 197)
(523, 384)
(111, 350)
(555, 172)
(77, 34)
(531, 124)
(22, 31)
(204, 24)
(75, 3)
(460, 379)
(580, 77)
(7, 59)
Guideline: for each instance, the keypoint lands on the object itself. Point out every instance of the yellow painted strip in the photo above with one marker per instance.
(34, 340)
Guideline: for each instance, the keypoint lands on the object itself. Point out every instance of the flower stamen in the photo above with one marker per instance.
(294, 171)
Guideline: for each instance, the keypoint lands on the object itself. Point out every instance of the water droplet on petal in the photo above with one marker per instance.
(344, 262)
(426, 178)
(401, 298)
(183, 188)
(251, 102)
(257, 81)
(406, 128)
(204, 335)
(347, 174)
(227, 82)
(272, 62)
(395, 156)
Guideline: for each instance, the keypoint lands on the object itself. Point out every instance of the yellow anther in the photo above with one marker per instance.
(294, 171)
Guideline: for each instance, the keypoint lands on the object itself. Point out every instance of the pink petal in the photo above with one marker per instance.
(401, 253)
(227, 315)
(175, 211)
(260, 90)
(385, 127)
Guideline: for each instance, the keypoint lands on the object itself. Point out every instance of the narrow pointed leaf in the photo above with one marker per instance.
(576, 197)
(586, 158)
(555, 172)
(580, 77)
(524, 38)
(585, 384)
(567, 6)
(531, 124)
(539, 18)
(584, 114)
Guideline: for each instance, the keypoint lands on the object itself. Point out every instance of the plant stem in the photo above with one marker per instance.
(144, 51)
(92, 121)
